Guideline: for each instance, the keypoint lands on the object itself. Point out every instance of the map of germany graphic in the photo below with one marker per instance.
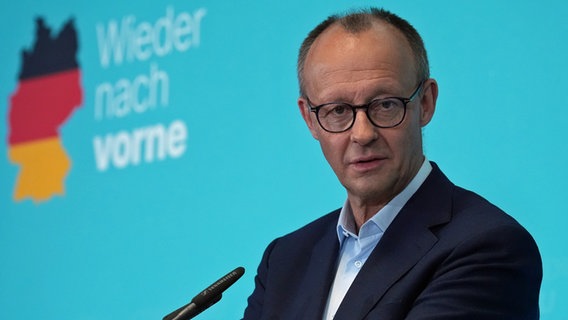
(47, 93)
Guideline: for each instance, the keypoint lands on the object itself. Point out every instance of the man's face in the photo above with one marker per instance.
(373, 164)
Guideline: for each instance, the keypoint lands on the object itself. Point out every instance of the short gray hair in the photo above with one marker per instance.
(362, 20)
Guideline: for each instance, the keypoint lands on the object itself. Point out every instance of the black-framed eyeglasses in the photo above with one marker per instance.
(338, 117)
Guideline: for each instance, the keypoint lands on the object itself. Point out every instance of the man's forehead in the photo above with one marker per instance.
(340, 55)
(378, 30)
(380, 39)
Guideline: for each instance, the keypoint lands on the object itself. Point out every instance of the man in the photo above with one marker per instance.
(407, 244)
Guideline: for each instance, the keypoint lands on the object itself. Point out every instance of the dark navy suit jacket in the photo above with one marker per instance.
(449, 254)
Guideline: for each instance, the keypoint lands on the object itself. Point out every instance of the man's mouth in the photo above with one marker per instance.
(366, 163)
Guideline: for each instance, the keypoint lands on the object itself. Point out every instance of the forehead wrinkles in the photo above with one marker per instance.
(340, 58)
(346, 83)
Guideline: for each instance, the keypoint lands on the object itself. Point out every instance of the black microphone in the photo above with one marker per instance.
(207, 297)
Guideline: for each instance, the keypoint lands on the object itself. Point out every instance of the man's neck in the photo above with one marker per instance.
(364, 209)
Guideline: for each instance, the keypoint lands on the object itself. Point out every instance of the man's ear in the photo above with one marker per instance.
(428, 101)
(309, 117)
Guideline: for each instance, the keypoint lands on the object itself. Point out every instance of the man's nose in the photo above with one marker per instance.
(363, 131)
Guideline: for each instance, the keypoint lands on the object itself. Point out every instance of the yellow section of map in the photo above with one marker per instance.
(43, 167)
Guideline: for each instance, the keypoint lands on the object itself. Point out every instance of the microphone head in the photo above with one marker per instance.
(217, 288)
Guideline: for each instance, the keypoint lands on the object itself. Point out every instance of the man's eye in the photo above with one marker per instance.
(334, 111)
(339, 109)
(387, 104)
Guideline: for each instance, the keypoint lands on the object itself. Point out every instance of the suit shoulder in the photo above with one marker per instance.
(474, 217)
(287, 253)
(313, 229)
(469, 205)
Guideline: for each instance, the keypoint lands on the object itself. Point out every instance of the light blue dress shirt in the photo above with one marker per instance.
(356, 248)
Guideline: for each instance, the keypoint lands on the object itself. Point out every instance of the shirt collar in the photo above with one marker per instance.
(383, 218)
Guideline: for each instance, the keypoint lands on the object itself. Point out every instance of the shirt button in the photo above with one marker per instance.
(358, 264)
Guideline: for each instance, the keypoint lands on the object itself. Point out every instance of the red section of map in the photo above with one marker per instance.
(42, 104)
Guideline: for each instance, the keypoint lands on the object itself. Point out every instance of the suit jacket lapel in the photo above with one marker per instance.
(319, 275)
(404, 243)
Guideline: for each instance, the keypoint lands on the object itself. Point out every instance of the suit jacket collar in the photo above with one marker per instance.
(403, 244)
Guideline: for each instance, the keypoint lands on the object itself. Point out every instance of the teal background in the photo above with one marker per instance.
(138, 242)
